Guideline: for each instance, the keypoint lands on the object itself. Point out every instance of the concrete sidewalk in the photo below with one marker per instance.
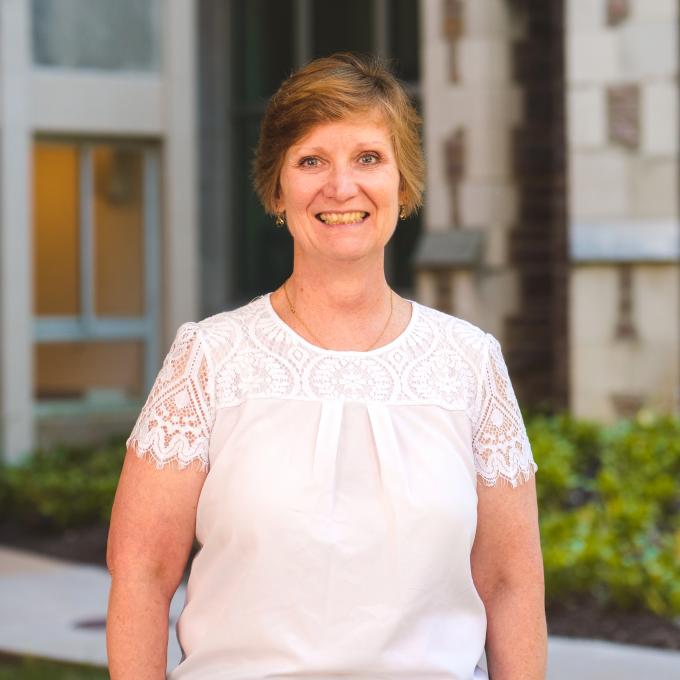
(596, 660)
(56, 609)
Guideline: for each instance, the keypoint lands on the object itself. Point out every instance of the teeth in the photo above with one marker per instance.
(343, 218)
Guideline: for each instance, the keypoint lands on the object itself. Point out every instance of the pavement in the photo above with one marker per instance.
(57, 609)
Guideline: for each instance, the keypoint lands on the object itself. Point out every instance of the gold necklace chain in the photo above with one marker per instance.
(309, 330)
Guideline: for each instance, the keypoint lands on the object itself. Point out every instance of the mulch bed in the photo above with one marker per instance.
(87, 545)
(582, 619)
(587, 620)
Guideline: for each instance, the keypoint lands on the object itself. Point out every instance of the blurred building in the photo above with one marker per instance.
(552, 143)
(126, 133)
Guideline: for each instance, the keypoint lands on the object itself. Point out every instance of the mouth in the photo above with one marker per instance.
(351, 217)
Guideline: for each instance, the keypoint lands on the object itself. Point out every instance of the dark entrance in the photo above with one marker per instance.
(247, 47)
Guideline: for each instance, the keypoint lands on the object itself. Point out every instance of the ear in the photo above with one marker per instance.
(402, 189)
(278, 202)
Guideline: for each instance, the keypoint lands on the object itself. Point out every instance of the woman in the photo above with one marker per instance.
(325, 443)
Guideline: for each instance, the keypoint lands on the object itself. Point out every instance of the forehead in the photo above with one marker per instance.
(357, 129)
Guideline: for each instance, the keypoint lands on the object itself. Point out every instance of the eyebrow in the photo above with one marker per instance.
(320, 149)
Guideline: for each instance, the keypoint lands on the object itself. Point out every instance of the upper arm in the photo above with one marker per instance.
(153, 520)
(154, 512)
(507, 547)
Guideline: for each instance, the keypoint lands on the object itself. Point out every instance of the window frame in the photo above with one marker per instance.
(154, 67)
(87, 326)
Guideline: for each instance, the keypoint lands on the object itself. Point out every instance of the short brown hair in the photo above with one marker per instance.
(329, 89)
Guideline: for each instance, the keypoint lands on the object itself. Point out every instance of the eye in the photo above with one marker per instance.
(309, 162)
(370, 158)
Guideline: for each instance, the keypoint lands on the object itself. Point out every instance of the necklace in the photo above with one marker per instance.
(309, 330)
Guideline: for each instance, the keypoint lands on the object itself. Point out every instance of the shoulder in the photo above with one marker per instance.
(225, 330)
(457, 327)
(458, 334)
(231, 316)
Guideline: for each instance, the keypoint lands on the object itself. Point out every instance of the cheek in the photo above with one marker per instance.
(389, 192)
(392, 181)
(297, 195)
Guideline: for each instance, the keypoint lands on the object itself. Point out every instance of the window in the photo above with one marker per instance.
(119, 35)
(95, 214)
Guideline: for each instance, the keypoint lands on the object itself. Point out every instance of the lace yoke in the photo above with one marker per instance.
(250, 353)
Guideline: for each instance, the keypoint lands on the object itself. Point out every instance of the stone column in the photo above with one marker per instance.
(16, 289)
(180, 186)
(470, 104)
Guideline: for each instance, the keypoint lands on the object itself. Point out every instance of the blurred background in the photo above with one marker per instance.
(550, 130)
(550, 219)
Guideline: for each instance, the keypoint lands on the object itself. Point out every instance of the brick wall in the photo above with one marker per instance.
(536, 334)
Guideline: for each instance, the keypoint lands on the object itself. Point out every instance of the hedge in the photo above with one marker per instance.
(609, 501)
(66, 487)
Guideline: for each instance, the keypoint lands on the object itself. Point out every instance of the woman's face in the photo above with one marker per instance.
(339, 187)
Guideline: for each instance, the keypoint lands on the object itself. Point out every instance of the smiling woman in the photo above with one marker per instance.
(358, 474)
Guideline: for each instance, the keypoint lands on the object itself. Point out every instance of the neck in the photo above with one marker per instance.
(343, 291)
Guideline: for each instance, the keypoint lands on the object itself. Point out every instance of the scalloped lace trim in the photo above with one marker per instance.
(197, 461)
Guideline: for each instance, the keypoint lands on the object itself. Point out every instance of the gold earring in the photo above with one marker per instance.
(402, 212)
(280, 221)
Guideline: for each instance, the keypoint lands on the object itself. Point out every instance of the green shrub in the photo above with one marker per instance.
(561, 486)
(65, 487)
(610, 510)
(580, 449)
(641, 462)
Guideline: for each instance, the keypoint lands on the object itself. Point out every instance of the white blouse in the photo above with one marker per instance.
(339, 509)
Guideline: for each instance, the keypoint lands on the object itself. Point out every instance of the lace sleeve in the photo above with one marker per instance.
(175, 423)
(499, 440)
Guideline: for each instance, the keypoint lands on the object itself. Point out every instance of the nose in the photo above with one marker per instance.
(340, 183)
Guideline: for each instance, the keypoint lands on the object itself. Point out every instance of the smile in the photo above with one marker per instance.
(353, 217)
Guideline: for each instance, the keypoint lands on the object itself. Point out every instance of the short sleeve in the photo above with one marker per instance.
(500, 444)
(175, 423)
